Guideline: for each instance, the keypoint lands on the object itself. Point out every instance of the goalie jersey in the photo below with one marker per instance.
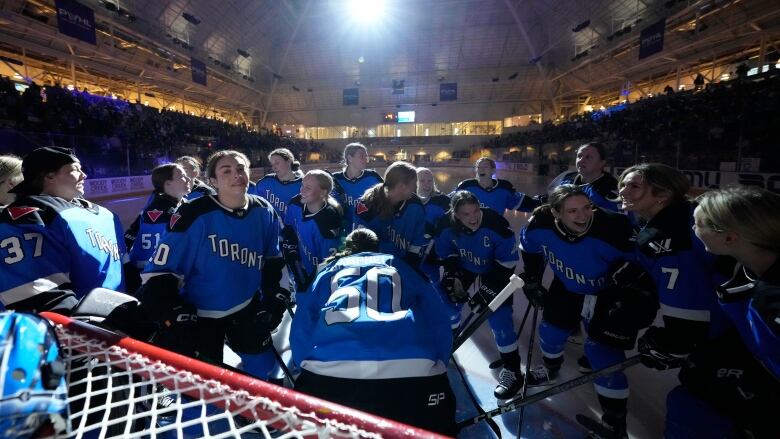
(318, 232)
(219, 252)
(581, 263)
(371, 316)
(278, 192)
(49, 244)
(478, 250)
(347, 191)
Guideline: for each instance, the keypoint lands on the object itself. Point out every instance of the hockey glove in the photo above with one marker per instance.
(454, 288)
(657, 350)
(272, 307)
(533, 289)
(177, 331)
(492, 282)
(289, 244)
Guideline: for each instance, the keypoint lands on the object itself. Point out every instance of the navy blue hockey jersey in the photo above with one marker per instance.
(581, 263)
(371, 316)
(435, 207)
(402, 233)
(499, 197)
(278, 192)
(47, 242)
(347, 191)
(602, 192)
(684, 273)
(318, 232)
(493, 242)
(144, 234)
(218, 252)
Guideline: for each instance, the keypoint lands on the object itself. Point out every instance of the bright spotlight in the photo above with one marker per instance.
(366, 11)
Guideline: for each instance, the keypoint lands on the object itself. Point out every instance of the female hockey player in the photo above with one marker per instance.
(372, 334)
(215, 276)
(171, 184)
(353, 181)
(477, 247)
(685, 274)
(56, 246)
(284, 183)
(495, 193)
(394, 212)
(10, 176)
(582, 245)
(600, 186)
(192, 166)
(311, 227)
(734, 380)
(436, 206)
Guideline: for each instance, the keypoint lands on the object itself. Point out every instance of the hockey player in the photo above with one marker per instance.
(735, 378)
(600, 186)
(55, 246)
(495, 193)
(436, 205)
(192, 166)
(312, 225)
(215, 275)
(171, 184)
(372, 334)
(10, 176)
(284, 183)
(477, 247)
(581, 245)
(394, 212)
(353, 181)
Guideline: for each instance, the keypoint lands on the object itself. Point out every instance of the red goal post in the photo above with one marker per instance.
(119, 386)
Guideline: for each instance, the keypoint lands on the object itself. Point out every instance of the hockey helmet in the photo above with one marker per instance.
(32, 376)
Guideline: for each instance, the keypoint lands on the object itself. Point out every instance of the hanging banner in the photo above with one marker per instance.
(351, 96)
(198, 71)
(651, 40)
(76, 20)
(448, 91)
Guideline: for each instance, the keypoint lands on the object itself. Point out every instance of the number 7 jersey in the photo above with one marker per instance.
(371, 316)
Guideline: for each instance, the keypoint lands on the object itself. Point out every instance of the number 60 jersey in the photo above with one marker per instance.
(371, 316)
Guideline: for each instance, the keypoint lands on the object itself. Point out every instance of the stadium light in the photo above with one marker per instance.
(366, 11)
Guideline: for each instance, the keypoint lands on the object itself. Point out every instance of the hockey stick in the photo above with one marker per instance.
(515, 283)
(282, 365)
(517, 403)
(523, 393)
(500, 363)
(491, 423)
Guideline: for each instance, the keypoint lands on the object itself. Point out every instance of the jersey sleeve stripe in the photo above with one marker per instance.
(367, 369)
(698, 315)
(218, 314)
(30, 289)
(146, 276)
(519, 202)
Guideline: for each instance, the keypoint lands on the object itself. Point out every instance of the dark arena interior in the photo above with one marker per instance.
(575, 209)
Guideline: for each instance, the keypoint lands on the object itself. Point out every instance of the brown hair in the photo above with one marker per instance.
(288, 156)
(397, 173)
(211, 166)
(663, 180)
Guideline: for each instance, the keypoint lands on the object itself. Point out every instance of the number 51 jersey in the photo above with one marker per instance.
(371, 316)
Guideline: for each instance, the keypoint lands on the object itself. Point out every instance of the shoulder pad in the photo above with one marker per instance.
(414, 199)
(440, 200)
(613, 228)
(159, 210)
(471, 182)
(328, 222)
(444, 222)
(541, 220)
(205, 190)
(35, 209)
(497, 223)
(606, 186)
(187, 213)
(505, 184)
(296, 200)
(372, 173)
(365, 211)
(568, 177)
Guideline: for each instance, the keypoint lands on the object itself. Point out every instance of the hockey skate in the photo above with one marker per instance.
(583, 365)
(604, 429)
(509, 383)
(542, 376)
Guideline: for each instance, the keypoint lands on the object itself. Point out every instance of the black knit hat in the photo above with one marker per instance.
(42, 161)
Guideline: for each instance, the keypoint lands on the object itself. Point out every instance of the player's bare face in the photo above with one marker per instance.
(67, 183)
(281, 167)
(191, 170)
(589, 163)
(713, 239)
(232, 180)
(179, 185)
(358, 161)
(425, 182)
(470, 215)
(637, 196)
(311, 192)
(402, 191)
(576, 214)
(484, 171)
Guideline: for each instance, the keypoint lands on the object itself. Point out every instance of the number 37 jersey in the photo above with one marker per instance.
(371, 316)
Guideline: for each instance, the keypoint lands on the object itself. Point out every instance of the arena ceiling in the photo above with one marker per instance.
(278, 56)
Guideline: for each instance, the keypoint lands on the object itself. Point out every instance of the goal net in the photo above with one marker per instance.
(121, 387)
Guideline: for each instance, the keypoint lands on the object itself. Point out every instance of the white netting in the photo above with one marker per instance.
(114, 391)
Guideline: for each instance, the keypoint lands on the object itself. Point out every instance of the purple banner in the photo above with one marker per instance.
(651, 40)
(198, 71)
(76, 20)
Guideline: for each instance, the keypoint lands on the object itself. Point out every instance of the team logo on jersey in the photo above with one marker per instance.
(361, 208)
(659, 247)
(154, 214)
(174, 218)
(18, 212)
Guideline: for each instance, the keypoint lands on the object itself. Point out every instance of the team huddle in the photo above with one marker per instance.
(375, 272)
